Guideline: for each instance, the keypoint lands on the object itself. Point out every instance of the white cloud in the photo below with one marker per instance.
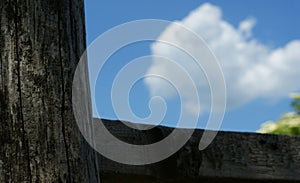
(246, 26)
(251, 69)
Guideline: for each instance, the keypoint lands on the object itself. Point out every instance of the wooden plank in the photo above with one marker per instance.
(240, 156)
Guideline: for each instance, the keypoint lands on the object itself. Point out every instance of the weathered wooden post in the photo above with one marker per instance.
(40, 45)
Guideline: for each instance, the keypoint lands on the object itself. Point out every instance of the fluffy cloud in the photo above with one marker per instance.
(251, 69)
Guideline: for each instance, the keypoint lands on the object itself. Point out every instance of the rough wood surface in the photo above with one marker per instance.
(232, 157)
(41, 42)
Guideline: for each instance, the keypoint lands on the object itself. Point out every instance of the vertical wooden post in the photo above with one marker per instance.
(40, 45)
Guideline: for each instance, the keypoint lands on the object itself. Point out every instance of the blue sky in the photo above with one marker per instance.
(273, 25)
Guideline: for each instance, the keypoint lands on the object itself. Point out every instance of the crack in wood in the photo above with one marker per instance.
(63, 92)
(24, 133)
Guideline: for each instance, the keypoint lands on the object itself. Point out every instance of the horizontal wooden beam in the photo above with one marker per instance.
(231, 156)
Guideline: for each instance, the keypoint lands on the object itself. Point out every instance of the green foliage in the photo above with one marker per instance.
(296, 102)
(288, 124)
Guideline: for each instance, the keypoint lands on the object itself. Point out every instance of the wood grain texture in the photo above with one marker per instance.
(232, 157)
(41, 43)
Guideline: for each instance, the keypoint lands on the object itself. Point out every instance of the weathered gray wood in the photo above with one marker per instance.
(41, 42)
(232, 157)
